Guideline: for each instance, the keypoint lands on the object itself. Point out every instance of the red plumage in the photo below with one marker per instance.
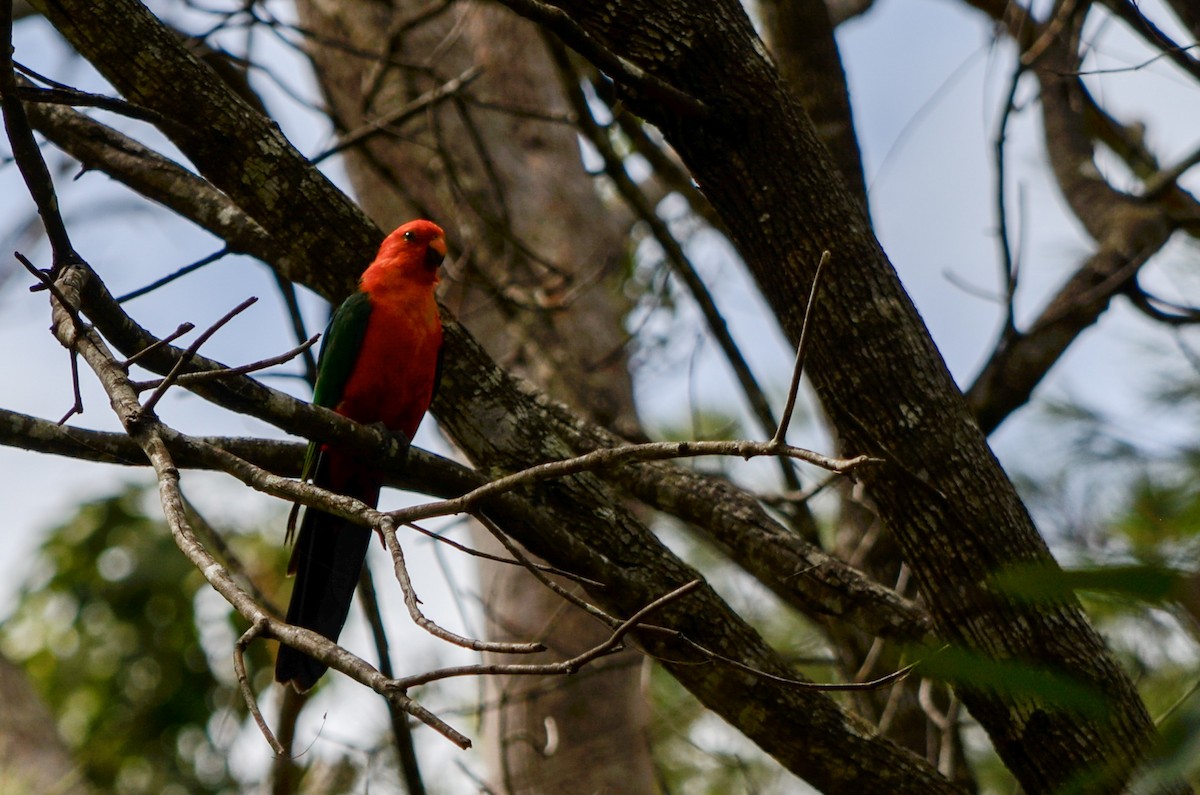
(379, 364)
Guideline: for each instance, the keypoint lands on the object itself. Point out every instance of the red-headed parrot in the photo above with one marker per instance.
(379, 363)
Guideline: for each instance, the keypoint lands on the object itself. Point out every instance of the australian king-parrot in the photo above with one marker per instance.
(379, 363)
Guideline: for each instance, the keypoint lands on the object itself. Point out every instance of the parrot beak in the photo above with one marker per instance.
(435, 253)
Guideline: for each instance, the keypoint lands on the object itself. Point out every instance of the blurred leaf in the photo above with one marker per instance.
(705, 423)
(1145, 582)
(106, 628)
(1012, 678)
(1178, 754)
(1161, 510)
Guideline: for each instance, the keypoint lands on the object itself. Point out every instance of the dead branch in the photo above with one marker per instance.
(191, 351)
(210, 375)
(801, 352)
(387, 528)
(239, 668)
(613, 456)
(564, 667)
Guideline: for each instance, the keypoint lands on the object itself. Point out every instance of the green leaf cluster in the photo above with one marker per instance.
(106, 628)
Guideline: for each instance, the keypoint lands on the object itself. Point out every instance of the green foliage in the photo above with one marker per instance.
(106, 628)
(1015, 678)
(1133, 548)
(1142, 581)
(1162, 510)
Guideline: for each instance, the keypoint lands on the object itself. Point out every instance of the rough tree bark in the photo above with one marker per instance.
(800, 36)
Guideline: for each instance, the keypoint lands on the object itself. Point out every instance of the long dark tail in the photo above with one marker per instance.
(327, 561)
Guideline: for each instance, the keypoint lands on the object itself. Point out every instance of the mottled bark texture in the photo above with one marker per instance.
(799, 35)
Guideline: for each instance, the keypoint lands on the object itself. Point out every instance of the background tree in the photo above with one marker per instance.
(468, 114)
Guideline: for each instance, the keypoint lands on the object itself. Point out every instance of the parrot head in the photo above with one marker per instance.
(413, 251)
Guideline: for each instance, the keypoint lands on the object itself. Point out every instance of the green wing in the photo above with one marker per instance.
(339, 351)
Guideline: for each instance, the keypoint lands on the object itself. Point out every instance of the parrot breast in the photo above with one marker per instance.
(396, 371)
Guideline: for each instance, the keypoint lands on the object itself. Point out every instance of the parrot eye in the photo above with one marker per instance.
(410, 236)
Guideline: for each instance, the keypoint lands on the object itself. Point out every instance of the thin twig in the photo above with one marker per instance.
(1158, 184)
(191, 351)
(788, 498)
(537, 572)
(186, 379)
(48, 283)
(513, 561)
(76, 321)
(801, 351)
(611, 644)
(65, 95)
(387, 529)
(239, 668)
(612, 456)
(77, 406)
(799, 684)
(183, 328)
(170, 277)
(287, 291)
(1007, 261)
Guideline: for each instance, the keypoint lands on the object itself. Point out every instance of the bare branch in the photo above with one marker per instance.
(25, 149)
(183, 328)
(387, 528)
(170, 277)
(184, 360)
(801, 352)
(225, 372)
(538, 573)
(47, 282)
(239, 668)
(64, 95)
(613, 456)
(570, 666)
(516, 560)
